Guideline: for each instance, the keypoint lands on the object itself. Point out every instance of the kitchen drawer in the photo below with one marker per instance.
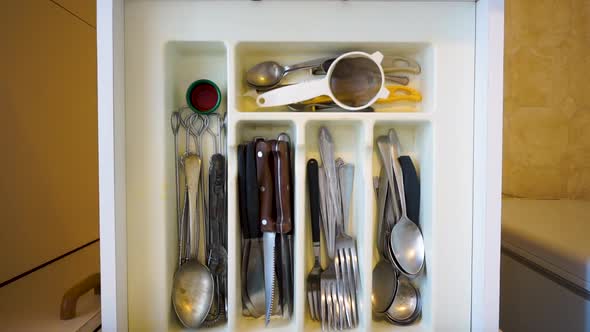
(149, 51)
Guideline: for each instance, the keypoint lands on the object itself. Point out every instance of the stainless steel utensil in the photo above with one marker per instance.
(270, 73)
(407, 304)
(175, 125)
(390, 64)
(322, 108)
(407, 242)
(255, 285)
(246, 242)
(346, 255)
(384, 275)
(330, 286)
(192, 290)
(267, 222)
(217, 255)
(339, 307)
(313, 278)
(384, 286)
(282, 172)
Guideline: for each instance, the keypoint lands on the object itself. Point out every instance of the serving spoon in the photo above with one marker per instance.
(192, 290)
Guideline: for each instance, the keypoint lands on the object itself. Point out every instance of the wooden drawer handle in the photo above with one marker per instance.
(70, 298)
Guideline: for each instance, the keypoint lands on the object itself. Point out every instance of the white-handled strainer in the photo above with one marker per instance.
(355, 80)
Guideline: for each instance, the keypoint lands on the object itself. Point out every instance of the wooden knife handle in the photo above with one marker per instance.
(265, 185)
(282, 163)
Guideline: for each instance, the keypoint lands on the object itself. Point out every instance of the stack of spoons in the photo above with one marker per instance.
(400, 243)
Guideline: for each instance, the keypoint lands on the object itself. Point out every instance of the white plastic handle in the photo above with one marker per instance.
(377, 57)
(294, 93)
(383, 93)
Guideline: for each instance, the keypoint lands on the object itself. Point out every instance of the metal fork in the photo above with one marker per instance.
(313, 279)
(346, 255)
(330, 312)
(329, 298)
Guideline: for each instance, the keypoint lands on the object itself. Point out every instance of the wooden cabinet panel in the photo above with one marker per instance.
(85, 9)
(48, 134)
(33, 302)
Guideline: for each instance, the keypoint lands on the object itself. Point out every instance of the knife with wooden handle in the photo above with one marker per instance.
(267, 221)
(255, 269)
(282, 162)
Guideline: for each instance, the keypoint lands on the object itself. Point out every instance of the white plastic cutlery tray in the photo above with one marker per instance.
(160, 47)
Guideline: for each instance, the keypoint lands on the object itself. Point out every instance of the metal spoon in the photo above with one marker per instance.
(192, 290)
(406, 240)
(323, 108)
(384, 286)
(270, 73)
(384, 276)
(406, 306)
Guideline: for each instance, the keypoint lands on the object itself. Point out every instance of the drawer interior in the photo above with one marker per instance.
(186, 41)
(249, 54)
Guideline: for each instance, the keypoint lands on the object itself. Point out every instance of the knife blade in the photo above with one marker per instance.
(267, 221)
(284, 224)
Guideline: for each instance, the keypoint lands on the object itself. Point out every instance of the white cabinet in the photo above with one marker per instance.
(149, 51)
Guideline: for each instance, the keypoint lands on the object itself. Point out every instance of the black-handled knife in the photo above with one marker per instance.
(252, 202)
(242, 204)
(314, 200)
(411, 188)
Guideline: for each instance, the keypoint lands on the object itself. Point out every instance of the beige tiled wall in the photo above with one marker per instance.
(547, 99)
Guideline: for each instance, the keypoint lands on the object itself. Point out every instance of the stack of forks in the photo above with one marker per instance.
(332, 293)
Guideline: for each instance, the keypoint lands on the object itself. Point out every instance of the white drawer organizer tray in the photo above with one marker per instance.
(149, 52)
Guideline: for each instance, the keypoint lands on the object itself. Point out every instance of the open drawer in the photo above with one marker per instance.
(149, 51)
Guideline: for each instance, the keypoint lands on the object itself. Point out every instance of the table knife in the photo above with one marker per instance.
(267, 221)
(284, 224)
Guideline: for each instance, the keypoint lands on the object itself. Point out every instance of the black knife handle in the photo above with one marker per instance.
(242, 191)
(252, 202)
(314, 198)
(411, 188)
